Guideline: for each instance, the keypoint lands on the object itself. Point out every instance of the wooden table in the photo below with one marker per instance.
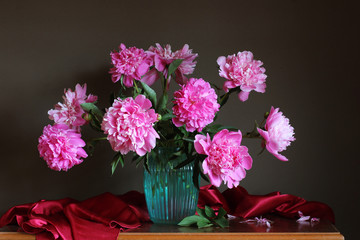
(281, 229)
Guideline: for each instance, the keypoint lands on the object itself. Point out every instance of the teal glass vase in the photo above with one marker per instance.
(170, 193)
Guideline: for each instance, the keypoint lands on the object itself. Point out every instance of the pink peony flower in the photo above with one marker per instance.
(61, 147)
(70, 112)
(278, 133)
(132, 62)
(195, 105)
(164, 56)
(226, 158)
(244, 72)
(129, 125)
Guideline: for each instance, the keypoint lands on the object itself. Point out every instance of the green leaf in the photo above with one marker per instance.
(95, 119)
(176, 159)
(92, 108)
(122, 80)
(117, 158)
(218, 127)
(222, 222)
(212, 128)
(190, 147)
(189, 140)
(209, 212)
(95, 126)
(221, 213)
(162, 103)
(146, 166)
(174, 65)
(150, 93)
(167, 116)
(201, 212)
(184, 163)
(230, 128)
(203, 176)
(196, 174)
(137, 159)
(206, 218)
(188, 221)
(203, 222)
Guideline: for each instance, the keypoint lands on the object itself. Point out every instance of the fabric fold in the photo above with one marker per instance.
(106, 215)
(238, 202)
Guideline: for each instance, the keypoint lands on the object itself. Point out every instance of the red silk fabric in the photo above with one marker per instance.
(238, 202)
(104, 216)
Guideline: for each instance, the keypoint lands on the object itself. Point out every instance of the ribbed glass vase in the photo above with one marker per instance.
(170, 193)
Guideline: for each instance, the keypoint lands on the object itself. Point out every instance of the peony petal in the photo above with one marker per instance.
(280, 157)
(129, 125)
(185, 48)
(180, 77)
(228, 85)
(200, 143)
(243, 96)
(159, 65)
(220, 135)
(260, 88)
(195, 105)
(150, 77)
(247, 162)
(82, 153)
(264, 134)
(128, 81)
(60, 146)
(142, 69)
(205, 167)
(221, 61)
(214, 179)
(140, 151)
(80, 91)
(143, 102)
(122, 46)
(242, 71)
(234, 137)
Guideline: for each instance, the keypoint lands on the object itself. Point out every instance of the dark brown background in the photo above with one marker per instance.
(309, 49)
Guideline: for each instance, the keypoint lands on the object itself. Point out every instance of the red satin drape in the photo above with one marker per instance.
(238, 202)
(104, 216)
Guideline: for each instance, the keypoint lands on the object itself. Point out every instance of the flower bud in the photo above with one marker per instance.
(87, 117)
(266, 115)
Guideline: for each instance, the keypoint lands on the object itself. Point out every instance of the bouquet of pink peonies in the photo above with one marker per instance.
(148, 120)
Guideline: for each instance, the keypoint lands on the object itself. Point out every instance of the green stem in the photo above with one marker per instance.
(224, 98)
(99, 139)
(262, 122)
(162, 136)
(136, 87)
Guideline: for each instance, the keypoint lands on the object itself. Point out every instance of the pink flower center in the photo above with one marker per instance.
(223, 158)
(166, 53)
(243, 72)
(128, 60)
(282, 133)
